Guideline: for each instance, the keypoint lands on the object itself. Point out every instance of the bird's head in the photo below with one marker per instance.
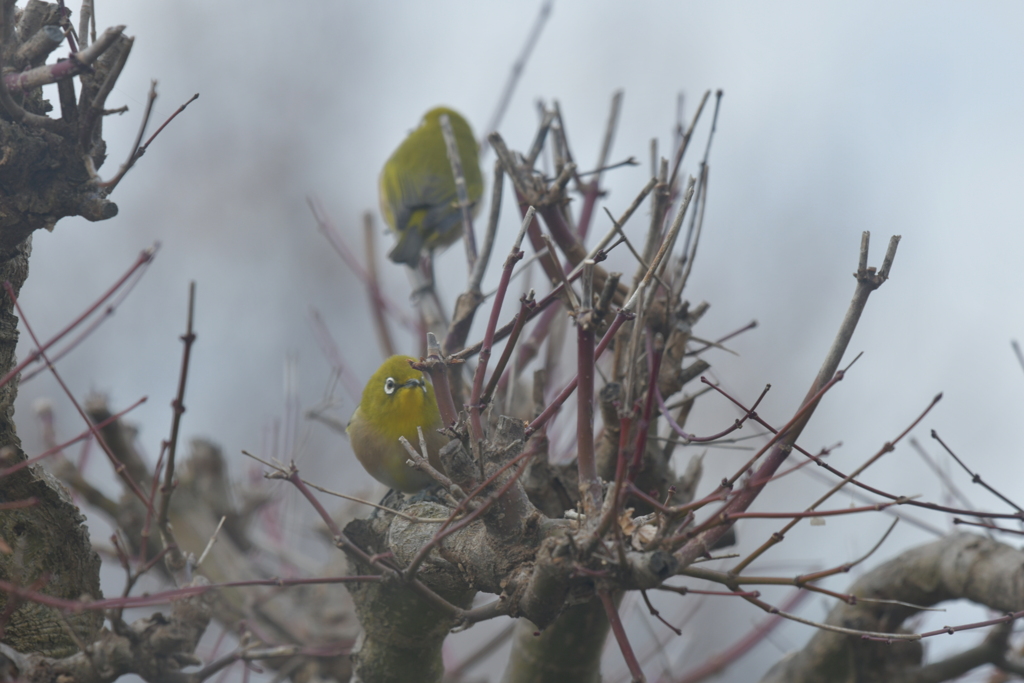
(398, 396)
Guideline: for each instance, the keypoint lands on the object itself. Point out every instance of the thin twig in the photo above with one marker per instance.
(119, 467)
(437, 368)
(526, 306)
(452, 147)
(324, 224)
(422, 463)
(144, 258)
(178, 406)
(283, 473)
(517, 71)
(616, 225)
(620, 637)
(130, 161)
(663, 250)
(574, 302)
(888, 447)
(592, 190)
(377, 306)
(475, 405)
(330, 349)
(757, 634)
(946, 480)
(1017, 351)
(492, 229)
(696, 226)
(975, 477)
(686, 139)
(139, 151)
(450, 526)
(346, 544)
(621, 317)
(867, 282)
(213, 539)
(590, 484)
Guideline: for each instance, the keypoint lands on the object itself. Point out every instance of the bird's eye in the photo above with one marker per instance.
(389, 386)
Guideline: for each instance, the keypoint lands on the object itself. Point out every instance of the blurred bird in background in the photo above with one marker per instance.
(418, 197)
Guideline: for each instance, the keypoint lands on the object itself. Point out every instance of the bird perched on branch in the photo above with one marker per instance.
(418, 197)
(396, 400)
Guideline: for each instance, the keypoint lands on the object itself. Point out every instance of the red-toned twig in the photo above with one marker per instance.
(82, 435)
(888, 447)
(975, 477)
(119, 467)
(346, 544)
(657, 615)
(164, 597)
(435, 366)
(871, 489)
(506, 329)
(654, 353)
(868, 280)
(527, 351)
(624, 313)
(26, 81)
(377, 304)
(178, 408)
(620, 637)
(330, 349)
(526, 306)
(513, 77)
(514, 256)
(984, 524)
(145, 257)
(554, 406)
(681, 150)
(877, 507)
(446, 527)
(18, 504)
(145, 533)
(691, 438)
(139, 150)
(86, 332)
(590, 483)
(498, 185)
(250, 653)
(758, 479)
(759, 632)
(684, 590)
(592, 190)
(325, 226)
(445, 530)
(718, 342)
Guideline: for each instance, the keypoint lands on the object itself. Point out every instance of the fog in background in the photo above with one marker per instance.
(836, 119)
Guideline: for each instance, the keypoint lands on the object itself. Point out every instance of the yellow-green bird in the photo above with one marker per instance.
(396, 400)
(417, 189)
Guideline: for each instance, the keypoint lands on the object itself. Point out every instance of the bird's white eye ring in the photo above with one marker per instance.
(389, 386)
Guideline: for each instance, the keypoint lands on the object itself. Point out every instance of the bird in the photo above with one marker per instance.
(418, 198)
(396, 400)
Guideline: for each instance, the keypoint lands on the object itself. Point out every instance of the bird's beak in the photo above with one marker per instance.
(413, 383)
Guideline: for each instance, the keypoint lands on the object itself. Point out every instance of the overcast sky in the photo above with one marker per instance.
(836, 119)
